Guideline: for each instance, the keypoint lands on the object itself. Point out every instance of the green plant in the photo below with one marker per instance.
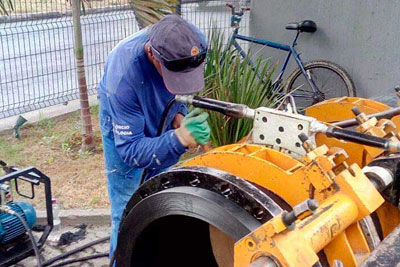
(48, 140)
(94, 110)
(228, 77)
(66, 147)
(11, 152)
(84, 154)
(148, 12)
(45, 123)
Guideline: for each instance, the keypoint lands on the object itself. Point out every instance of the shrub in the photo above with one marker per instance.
(228, 77)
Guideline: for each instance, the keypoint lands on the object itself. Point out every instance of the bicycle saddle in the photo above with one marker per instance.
(303, 26)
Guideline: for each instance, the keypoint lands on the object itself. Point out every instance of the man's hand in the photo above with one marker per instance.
(194, 129)
(176, 123)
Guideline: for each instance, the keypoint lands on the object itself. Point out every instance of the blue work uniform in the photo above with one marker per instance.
(132, 98)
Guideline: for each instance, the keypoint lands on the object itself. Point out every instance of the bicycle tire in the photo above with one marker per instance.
(321, 64)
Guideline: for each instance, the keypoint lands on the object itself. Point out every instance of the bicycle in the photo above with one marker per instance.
(304, 84)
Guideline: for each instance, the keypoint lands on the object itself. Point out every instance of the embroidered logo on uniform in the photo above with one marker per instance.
(122, 130)
(194, 51)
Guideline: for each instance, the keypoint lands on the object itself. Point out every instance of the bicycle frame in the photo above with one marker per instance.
(288, 48)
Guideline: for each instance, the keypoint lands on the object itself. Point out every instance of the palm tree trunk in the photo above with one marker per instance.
(87, 128)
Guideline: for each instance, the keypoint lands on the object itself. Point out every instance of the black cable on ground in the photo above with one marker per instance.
(33, 241)
(90, 257)
(76, 250)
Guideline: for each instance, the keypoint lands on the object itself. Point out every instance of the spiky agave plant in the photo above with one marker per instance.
(148, 12)
(228, 77)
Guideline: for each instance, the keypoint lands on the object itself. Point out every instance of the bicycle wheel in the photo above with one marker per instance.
(330, 79)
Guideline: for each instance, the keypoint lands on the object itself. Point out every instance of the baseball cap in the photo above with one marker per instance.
(181, 48)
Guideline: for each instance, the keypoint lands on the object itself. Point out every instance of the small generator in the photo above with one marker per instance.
(17, 216)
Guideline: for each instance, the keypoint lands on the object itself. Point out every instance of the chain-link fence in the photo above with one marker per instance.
(37, 65)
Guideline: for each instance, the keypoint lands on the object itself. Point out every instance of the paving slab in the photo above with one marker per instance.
(73, 217)
(93, 232)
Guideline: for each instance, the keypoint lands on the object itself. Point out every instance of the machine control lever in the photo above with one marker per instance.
(309, 205)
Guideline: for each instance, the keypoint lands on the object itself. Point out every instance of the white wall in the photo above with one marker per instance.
(361, 36)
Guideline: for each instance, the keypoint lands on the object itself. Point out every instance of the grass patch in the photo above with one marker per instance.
(12, 150)
(52, 145)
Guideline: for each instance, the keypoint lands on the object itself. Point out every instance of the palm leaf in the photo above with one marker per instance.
(148, 12)
(6, 6)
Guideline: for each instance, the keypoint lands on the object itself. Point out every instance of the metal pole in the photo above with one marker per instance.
(87, 129)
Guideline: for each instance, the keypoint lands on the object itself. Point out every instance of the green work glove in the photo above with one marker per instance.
(194, 129)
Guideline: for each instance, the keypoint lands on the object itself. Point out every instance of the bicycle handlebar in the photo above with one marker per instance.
(231, 6)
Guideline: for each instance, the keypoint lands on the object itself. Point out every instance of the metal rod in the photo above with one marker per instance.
(387, 114)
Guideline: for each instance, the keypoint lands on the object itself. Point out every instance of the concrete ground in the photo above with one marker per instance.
(93, 232)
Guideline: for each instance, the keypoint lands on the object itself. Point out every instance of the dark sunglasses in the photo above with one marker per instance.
(182, 63)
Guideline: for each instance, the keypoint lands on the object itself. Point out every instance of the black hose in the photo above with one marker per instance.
(226, 108)
(33, 241)
(356, 137)
(159, 132)
(164, 116)
(90, 257)
(76, 250)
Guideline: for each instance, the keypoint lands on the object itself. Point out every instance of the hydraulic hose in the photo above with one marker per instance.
(159, 132)
(90, 257)
(227, 108)
(363, 139)
(76, 250)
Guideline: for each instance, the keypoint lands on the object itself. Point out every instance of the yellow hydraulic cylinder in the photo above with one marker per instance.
(332, 218)
(299, 246)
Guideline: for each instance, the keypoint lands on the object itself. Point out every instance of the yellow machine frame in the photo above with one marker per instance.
(327, 174)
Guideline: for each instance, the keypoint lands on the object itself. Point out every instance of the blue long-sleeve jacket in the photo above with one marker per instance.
(132, 98)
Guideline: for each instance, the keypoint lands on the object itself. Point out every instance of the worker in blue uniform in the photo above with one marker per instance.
(142, 74)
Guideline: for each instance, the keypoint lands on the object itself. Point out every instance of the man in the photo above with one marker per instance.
(142, 74)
